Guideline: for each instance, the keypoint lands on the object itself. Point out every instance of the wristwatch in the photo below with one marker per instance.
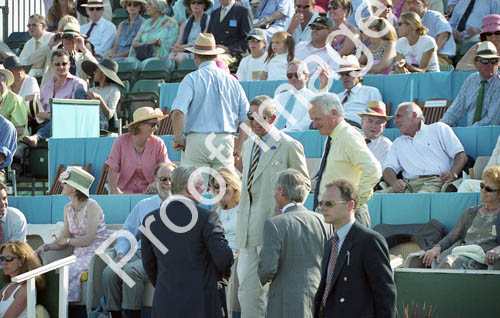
(455, 175)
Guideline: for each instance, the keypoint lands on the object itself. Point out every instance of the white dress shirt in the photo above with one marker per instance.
(379, 147)
(356, 103)
(27, 56)
(326, 55)
(102, 36)
(300, 111)
(430, 152)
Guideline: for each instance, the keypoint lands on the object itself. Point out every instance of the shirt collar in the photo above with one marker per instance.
(340, 127)
(342, 232)
(356, 88)
(207, 64)
(229, 6)
(69, 77)
(291, 204)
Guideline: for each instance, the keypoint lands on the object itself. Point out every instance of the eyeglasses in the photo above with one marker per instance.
(29, 25)
(8, 259)
(68, 36)
(163, 179)
(485, 33)
(96, 9)
(133, 4)
(291, 75)
(488, 61)
(487, 188)
(302, 6)
(329, 204)
(60, 63)
(333, 7)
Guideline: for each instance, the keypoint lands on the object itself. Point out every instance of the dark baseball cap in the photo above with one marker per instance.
(322, 22)
(257, 34)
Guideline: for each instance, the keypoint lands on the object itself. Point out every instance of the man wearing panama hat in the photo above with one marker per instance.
(99, 31)
(208, 109)
(12, 106)
(478, 98)
(373, 122)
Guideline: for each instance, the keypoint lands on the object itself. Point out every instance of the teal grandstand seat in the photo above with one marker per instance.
(157, 69)
(144, 93)
(186, 67)
(127, 70)
(119, 15)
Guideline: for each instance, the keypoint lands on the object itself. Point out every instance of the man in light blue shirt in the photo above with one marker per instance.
(275, 14)
(8, 144)
(12, 220)
(209, 107)
(131, 301)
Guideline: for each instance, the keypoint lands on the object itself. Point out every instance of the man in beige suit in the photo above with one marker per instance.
(293, 243)
(267, 152)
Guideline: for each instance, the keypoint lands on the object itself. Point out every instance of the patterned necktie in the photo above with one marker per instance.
(465, 17)
(37, 44)
(288, 107)
(320, 172)
(346, 96)
(222, 14)
(253, 166)
(91, 28)
(479, 103)
(331, 266)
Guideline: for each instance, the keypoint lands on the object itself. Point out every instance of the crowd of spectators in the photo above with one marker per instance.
(251, 237)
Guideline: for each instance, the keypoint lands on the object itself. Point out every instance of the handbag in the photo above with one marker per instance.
(100, 312)
(144, 51)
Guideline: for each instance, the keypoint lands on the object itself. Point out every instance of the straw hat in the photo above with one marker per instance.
(123, 3)
(8, 76)
(107, 66)
(205, 45)
(375, 108)
(146, 113)
(73, 28)
(77, 178)
(349, 63)
(487, 50)
(94, 4)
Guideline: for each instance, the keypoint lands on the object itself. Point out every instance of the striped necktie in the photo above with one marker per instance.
(346, 96)
(331, 266)
(253, 167)
(479, 103)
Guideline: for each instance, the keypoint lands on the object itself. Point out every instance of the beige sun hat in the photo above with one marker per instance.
(124, 2)
(487, 50)
(375, 108)
(73, 28)
(146, 113)
(94, 4)
(349, 63)
(77, 178)
(473, 251)
(205, 45)
(9, 77)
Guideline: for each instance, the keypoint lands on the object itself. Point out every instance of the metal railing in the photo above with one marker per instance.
(15, 15)
(62, 264)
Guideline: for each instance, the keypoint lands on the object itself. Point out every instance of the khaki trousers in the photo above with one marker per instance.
(419, 185)
(252, 295)
(200, 148)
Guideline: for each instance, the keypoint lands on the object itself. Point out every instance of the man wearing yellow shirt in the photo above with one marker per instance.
(346, 155)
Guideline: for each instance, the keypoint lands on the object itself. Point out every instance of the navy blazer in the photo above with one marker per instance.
(233, 30)
(363, 284)
(186, 276)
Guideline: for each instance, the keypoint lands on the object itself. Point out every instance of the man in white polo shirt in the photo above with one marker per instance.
(427, 155)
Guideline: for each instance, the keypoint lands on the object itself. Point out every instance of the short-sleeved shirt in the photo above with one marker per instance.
(430, 152)
(111, 96)
(29, 87)
(276, 67)
(14, 110)
(250, 68)
(356, 103)
(8, 141)
(305, 51)
(212, 101)
(413, 53)
(268, 7)
(379, 147)
(300, 34)
(436, 24)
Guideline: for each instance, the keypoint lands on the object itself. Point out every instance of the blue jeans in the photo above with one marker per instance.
(44, 131)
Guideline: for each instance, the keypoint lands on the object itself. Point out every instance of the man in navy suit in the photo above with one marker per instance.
(356, 278)
(230, 25)
(184, 252)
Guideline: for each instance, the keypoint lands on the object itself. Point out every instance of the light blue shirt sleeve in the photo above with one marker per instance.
(8, 139)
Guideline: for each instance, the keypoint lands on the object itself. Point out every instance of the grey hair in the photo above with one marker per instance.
(302, 66)
(296, 187)
(180, 178)
(267, 102)
(161, 165)
(328, 102)
(161, 5)
(411, 107)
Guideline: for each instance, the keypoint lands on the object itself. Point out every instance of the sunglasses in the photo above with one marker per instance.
(292, 75)
(252, 116)
(485, 33)
(96, 9)
(163, 179)
(487, 188)
(32, 25)
(333, 7)
(488, 61)
(133, 4)
(8, 259)
(61, 63)
(329, 204)
(68, 36)
(302, 6)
